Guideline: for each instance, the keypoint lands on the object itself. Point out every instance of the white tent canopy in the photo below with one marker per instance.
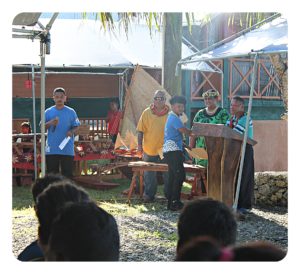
(202, 66)
(78, 42)
(271, 37)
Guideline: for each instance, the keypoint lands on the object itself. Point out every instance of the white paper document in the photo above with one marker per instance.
(64, 142)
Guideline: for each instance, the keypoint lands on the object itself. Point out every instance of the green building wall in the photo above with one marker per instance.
(262, 109)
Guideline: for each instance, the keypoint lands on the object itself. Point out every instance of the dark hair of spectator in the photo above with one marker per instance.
(207, 217)
(84, 232)
(239, 99)
(50, 202)
(208, 249)
(42, 183)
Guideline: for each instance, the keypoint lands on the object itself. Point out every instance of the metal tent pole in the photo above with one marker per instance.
(34, 121)
(222, 94)
(43, 158)
(237, 193)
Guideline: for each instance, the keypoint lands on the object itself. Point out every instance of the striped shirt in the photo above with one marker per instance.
(239, 124)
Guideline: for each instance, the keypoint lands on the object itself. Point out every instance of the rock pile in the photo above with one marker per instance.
(271, 188)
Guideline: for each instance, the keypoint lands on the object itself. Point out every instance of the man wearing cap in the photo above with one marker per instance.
(150, 131)
(61, 123)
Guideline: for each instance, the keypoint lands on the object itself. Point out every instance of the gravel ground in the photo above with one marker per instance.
(151, 236)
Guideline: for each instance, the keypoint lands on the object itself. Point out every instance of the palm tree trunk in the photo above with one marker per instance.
(282, 73)
(172, 40)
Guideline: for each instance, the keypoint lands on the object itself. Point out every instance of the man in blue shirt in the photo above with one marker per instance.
(238, 123)
(61, 123)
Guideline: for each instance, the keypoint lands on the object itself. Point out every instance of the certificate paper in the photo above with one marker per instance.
(64, 142)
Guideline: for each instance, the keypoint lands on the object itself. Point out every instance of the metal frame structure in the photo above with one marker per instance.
(44, 36)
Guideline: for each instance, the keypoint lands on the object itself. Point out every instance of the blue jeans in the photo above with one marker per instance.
(150, 180)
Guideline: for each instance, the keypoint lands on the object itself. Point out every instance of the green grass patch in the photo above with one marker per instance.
(22, 197)
(170, 239)
(111, 200)
(113, 194)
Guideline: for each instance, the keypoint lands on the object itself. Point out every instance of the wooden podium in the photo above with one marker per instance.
(223, 146)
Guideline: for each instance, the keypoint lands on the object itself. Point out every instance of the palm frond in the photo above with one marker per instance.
(188, 19)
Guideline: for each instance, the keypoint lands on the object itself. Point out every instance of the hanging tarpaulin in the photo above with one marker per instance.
(139, 96)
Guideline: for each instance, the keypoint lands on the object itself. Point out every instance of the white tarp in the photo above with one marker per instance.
(201, 66)
(73, 43)
(270, 37)
(141, 48)
(83, 43)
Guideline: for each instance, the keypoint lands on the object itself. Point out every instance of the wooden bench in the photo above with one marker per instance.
(139, 167)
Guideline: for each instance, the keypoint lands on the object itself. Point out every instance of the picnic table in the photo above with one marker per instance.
(139, 167)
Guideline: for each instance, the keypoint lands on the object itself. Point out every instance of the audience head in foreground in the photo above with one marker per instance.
(208, 249)
(41, 184)
(207, 217)
(51, 201)
(83, 232)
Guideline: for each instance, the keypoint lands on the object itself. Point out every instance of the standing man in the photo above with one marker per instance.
(238, 122)
(61, 122)
(150, 131)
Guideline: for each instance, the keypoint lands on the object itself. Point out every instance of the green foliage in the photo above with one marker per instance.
(247, 19)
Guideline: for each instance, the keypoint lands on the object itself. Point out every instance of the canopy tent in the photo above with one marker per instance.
(270, 38)
(78, 42)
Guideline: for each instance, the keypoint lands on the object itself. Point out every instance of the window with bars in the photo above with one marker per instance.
(266, 84)
(202, 81)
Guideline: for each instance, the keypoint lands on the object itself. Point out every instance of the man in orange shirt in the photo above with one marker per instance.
(150, 130)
